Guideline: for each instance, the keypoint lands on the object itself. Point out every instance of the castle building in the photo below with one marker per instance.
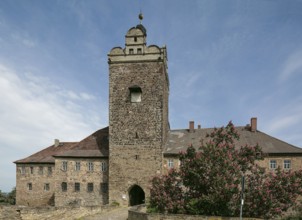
(116, 163)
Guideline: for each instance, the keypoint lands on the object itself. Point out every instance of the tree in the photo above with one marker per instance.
(8, 198)
(209, 178)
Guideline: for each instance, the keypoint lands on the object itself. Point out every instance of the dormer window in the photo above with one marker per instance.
(135, 94)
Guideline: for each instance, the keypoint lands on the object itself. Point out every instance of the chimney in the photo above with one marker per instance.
(57, 142)
(191, 126)
(253, 124)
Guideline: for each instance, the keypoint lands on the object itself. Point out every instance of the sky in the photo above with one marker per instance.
(227, 60)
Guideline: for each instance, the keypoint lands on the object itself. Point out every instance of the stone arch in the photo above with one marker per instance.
(136, 195)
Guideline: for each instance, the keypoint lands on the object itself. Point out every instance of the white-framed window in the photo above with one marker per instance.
(287, 164)
(77, 166)
(170, 163)
(104, 166)
(46, 187)
(90, 166)
(272, 164)
(64, 165)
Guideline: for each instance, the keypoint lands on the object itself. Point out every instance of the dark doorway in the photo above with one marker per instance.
(136, 195)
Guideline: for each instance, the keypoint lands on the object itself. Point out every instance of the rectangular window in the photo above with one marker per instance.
(90, 187)
(23, 170)
(77, 187)
(78, 166)
(49, 171)
(64, 186)
(46, 187)
(41, 170)
(104, 166)
(273, 164)
(104, 187)
(31, 170)
(64, 165)
(287, 164)
(139, 50)
(90, 166)
(29, 186)
(131, 51)
(170, 163)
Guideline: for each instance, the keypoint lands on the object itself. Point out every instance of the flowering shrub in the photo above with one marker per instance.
(209, 181)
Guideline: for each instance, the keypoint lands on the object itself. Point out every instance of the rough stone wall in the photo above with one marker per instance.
(143, 122)
(296, 162)
(137, 130)
(139, 213)
(126, 170)
(37, 195)
(83, 176)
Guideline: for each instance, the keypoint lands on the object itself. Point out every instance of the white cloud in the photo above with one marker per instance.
(33, 112)
(292, 66)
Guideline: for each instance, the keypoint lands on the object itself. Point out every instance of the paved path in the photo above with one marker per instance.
(116, 214)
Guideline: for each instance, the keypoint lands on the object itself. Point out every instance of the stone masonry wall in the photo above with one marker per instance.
(139, 213)
(142, 122)
(83, 176)
(136, 130)
(296, 162)
(31, 184)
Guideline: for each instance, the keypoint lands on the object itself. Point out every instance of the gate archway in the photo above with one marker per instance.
(136, 195)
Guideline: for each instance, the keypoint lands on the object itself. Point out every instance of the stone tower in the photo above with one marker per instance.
(138, 116)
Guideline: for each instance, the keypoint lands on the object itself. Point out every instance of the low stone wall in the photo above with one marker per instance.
(50, 213)
(139, 213)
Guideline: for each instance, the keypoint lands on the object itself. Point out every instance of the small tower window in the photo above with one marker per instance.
(135, 39)
(135, 94)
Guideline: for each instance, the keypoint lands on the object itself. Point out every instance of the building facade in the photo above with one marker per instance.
(115, 164)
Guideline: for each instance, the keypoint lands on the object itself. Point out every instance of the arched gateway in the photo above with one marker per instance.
(136, 195)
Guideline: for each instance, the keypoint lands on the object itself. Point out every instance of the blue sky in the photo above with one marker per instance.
(228, 60)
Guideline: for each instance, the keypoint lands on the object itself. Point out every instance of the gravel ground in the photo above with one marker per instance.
(116, 214)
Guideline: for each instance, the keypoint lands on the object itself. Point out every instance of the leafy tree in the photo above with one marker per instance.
(9, 198)
(209, 181)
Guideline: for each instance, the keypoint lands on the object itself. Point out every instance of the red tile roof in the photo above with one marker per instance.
(46, 155)
(95, 145)
(179, 140)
